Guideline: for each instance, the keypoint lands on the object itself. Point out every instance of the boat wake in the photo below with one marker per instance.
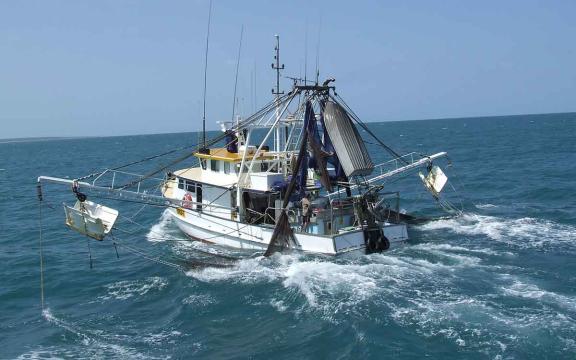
(458, 289)
(523, 233)
(459, 293)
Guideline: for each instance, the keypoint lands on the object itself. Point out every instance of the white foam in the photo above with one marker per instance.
(486, 206)
(524, 232)
(418, 287)
(48, 353)
(199, 300)
(531, 291)
(162, 338)
(245, 271)
(320, 282)
(279, 305)
(458, 249)
(164, 229)
(323, 284)
(126, 289)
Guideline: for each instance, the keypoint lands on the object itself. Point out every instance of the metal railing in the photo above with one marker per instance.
(393, 164)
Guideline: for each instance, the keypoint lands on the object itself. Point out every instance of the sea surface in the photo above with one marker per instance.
(498, 282)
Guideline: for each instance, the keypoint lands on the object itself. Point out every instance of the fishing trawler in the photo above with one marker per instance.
(294, 176)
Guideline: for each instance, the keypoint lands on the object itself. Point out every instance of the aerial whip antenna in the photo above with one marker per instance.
(306, 52)
(237, 67)
(318, 51)
(205, 77)
(255, 93)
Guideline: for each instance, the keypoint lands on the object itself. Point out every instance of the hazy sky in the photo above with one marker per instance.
(133, 67)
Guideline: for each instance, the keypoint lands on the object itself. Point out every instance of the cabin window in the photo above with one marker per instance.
(180, 183)
(226, 167)
(203, 163)
(214, 165)
(263, 166)
(190, 187)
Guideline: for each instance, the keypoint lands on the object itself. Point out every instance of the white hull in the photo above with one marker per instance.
(213, 229)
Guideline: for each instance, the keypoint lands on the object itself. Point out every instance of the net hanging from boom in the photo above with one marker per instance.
(283, 236)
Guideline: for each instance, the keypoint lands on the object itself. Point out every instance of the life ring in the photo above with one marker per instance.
(187, 201)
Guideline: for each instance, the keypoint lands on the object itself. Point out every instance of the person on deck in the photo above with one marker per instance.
(305, 212)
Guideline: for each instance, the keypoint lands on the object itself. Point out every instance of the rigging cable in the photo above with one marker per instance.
(363, 125)
(215, 140)
(139, 161)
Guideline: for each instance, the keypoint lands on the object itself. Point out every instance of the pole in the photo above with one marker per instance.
(205, 76)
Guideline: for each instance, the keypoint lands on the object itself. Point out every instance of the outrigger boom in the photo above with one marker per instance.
(158, 200)
(415, 164)
(118, 194)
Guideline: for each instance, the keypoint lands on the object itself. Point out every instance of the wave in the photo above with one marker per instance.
(164, 229)
(417, 287)
(126, 289)
(420, 287)
(521, 289)
(199, 300)
(524, 232)
(486, 206)
(460, 249)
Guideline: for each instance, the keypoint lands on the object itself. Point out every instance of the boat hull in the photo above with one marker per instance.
(213, 229)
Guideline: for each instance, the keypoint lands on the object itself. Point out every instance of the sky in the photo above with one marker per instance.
(110, 67)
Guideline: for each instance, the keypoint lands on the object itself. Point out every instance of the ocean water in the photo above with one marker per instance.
(499, 282)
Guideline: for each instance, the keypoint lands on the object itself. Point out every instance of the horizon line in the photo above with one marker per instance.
(54, 138)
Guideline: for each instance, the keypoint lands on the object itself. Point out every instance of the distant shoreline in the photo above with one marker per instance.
(56, 138)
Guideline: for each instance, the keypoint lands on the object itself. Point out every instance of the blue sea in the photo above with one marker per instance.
(498, 282)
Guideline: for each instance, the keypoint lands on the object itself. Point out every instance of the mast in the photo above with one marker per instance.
(205, 78)
(276, 66)
(236, 78)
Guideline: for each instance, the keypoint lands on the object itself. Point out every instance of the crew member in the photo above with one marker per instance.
(305, 212)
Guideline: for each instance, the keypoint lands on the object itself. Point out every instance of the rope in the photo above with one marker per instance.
(147, 257)
(180, 240)
(194, 263)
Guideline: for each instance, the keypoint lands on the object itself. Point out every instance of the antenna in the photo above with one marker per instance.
(255, 87)
(255, 93)
(277, 67)
(205, 77)
(305, 51)
(237, 67)
(318, 50)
